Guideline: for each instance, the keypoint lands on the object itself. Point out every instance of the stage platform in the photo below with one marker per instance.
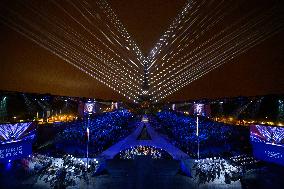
(156, 140)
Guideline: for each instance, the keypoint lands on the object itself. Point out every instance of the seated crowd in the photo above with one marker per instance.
(104, 130)
(214, 138)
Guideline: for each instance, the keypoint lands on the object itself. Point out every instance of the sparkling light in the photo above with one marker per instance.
(89, 36)
(13, 132)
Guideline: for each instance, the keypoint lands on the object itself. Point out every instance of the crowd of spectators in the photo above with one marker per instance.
(59, 172)
(214, 138)
(104, 130)
(216, 169)
(36, 163)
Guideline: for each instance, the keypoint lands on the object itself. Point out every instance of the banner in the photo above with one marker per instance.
(15, 150)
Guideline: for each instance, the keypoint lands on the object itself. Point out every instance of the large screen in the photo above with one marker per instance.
(15, 150)
(90, 107)
(199, 109)
(16, 140)
(267, 134)
(12, 132)
(268, 143)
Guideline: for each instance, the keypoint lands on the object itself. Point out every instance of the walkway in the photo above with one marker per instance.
(156, 141)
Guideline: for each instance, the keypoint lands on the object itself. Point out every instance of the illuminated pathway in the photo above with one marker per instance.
(156, 141)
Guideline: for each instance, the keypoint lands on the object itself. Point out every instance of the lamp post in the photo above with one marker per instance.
(88, 134)
(197, 134)
(198, 111)
(88, 110)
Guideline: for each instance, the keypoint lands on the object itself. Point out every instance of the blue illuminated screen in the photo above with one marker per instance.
(268, 143)
(267, 134)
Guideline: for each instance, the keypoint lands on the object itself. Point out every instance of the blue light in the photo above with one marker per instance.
(260, 133)
(267, 143)
(8, 166)
(13, 132)
(15, 150)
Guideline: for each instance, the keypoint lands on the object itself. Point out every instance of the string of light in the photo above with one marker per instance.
(198, 64)
(89, 36)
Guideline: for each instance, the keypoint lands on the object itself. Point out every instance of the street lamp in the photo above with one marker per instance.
(88, 111)
(197, 134)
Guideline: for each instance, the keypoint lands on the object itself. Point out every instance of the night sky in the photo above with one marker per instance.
(27, 67)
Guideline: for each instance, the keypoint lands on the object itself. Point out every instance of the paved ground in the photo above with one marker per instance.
(141, 173)
(145, 173)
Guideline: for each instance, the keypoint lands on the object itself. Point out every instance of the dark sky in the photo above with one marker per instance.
(24, 66)
(146, 20)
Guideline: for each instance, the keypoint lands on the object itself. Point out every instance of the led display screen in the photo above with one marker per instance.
(199, 109)
(89, 108)
(268, 143)
(267, 134)
(15, 150)
(12, 132)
